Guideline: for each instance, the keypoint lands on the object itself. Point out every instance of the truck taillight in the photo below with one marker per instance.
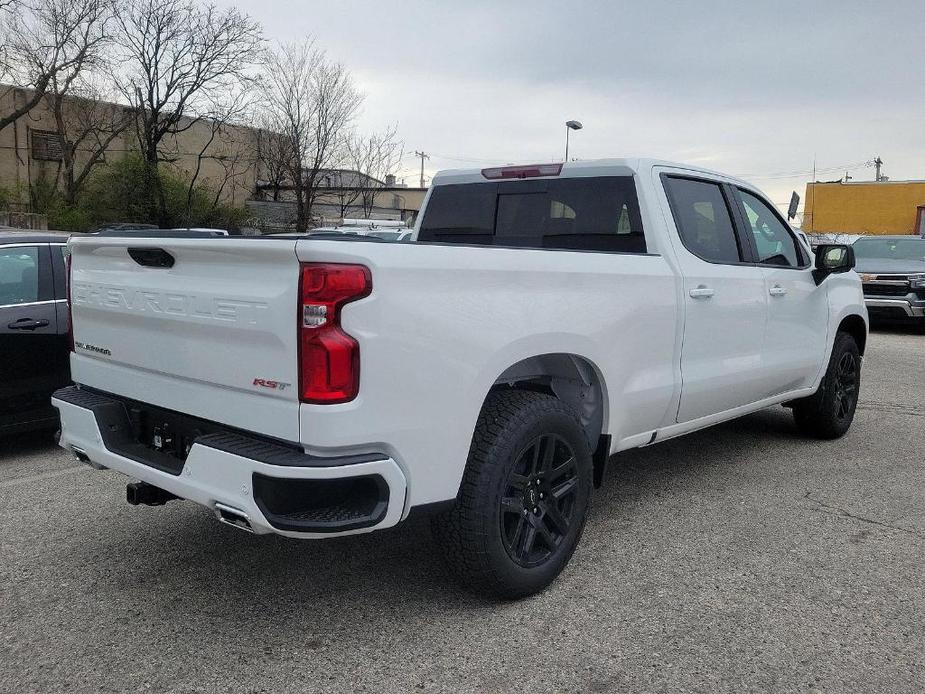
(329, 358)
(70, 311)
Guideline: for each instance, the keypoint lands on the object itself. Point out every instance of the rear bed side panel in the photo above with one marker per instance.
(443, 322)
(195, 336)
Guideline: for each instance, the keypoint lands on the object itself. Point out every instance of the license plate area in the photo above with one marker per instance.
(165, 432)
(151, 435)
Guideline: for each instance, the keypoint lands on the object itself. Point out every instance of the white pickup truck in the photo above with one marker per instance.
(545, 318)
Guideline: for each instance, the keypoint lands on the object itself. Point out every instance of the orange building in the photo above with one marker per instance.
(885, 207)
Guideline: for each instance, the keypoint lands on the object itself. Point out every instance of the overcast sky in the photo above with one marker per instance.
(756, 89)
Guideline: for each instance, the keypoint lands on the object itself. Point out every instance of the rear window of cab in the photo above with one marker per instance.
(588, 214)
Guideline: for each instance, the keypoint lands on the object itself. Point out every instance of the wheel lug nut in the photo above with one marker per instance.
(541, 495)
(536, 510)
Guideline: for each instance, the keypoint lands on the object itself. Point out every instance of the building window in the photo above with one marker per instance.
(46, 145)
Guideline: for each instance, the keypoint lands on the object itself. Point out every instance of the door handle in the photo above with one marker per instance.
(701, 292)
(777, 290)
(27, 324)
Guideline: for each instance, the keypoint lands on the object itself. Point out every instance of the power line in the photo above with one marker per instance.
(797, 174)
(423, 156)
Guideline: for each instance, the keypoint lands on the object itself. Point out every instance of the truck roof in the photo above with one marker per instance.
(590, 167)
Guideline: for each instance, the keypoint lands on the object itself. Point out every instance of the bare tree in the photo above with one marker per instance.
(47, 40)
(375, 158)
(181, 59)
(274, 154)
(346, 189)
(87, 123)
(220, 147)
(311, 102)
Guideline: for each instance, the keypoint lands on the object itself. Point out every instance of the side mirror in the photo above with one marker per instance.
(832, 258)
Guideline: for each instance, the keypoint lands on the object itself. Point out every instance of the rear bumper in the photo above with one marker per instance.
(897, 306)
(278, 489)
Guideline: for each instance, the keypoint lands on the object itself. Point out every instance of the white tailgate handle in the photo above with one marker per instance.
(701, 292)
(777, 290)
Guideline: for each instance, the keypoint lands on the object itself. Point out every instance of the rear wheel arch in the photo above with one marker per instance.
(576, 381)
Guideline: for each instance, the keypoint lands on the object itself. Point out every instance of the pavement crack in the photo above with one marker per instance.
(893, 408)
(823, 507)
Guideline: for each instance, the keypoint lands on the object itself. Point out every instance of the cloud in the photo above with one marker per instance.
(735, 86)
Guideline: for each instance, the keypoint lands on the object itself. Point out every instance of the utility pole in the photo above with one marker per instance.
(878, 162)
(423, 157)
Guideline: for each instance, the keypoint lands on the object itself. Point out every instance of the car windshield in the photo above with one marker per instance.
(892, 249)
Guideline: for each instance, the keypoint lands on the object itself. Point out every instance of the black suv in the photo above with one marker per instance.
(34, 349)
(892, 269)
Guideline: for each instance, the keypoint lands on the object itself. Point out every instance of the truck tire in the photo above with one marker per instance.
(828, 413)
(523, 499)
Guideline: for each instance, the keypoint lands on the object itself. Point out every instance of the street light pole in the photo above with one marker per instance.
(570, 125)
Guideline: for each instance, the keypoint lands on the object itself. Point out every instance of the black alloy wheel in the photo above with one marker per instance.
(538, 500)
(829, 412)
(846, 385)
(523, 499)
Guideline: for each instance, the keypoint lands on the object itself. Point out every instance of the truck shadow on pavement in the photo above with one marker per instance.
(27, 443)
(177, 558)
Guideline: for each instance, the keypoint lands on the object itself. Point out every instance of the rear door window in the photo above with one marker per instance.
(703, 219)
(590, 214)
(19, 275)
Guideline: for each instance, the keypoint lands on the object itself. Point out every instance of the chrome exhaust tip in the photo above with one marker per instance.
(234, 517)
(82, 457)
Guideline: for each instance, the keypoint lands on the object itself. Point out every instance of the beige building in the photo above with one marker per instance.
(343, 193)
(225, 158)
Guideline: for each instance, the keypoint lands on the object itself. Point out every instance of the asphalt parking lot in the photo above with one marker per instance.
(742, 558)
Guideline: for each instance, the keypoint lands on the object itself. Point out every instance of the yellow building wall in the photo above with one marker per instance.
(862, 208)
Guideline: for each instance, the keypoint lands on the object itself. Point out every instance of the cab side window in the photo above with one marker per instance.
(774, 243)
(19, 275)
(703, 220)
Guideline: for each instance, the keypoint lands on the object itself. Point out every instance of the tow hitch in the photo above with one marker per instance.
(138, 493)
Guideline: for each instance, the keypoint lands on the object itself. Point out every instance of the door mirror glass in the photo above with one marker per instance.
(833, 258)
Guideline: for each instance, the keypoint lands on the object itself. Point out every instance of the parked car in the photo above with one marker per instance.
(826, 239)
(205, 230)
(125, 226)
(547, 317)
(34, 352)
(892, 269)
(390, 234)
(150, 231)
(386, 230)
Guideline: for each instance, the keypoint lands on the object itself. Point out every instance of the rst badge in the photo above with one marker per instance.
(272, 385)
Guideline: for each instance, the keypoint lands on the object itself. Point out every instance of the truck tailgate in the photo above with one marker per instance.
(193, 325)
